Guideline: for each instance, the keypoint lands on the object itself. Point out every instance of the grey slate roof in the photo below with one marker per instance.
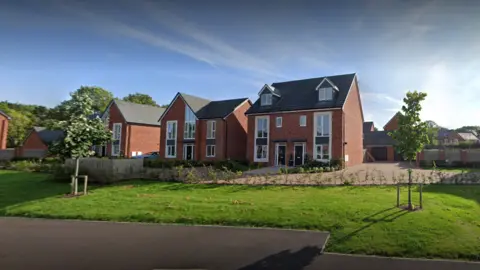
(468, 136)
(48, 136)
(139, 113)
(301, 95)
(195, 103)
(367, 126)
(219, 109)
(377, 138)
(5, 114)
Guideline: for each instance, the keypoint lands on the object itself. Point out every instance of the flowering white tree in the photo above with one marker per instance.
(81, 130)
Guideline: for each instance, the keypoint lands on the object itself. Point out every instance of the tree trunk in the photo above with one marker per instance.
(77, 167)
(410, 206)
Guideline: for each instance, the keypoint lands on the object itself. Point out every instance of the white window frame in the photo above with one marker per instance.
(304, 117)
(323, 93)
(212, 146)
(174, 138)
(114, 138)
(211, 129)
(277, 124)
(190, 120)
(266, 99)
(315, 115)
(255, 159)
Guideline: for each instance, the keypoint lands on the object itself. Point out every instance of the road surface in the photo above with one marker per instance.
(75, 245)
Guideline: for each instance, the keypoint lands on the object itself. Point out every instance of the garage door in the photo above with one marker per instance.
(379, 153)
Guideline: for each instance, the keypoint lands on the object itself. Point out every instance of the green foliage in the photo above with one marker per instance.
(140, 98)
(18, 127)
(81, 132)
(432, 133)
(412, 134)
(230, 165)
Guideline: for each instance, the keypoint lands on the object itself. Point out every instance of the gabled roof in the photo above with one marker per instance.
(138, 113)
(326, 79)
(220, 108)
(48, 136)
(5, 114)
(207, 109)
(379, 138)
(195, 103)
(467, 136)
(302, 95)
(271, 89)
(367, 126)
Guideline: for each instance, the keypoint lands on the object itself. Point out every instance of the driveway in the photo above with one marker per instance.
(363, 174)
(74, 245)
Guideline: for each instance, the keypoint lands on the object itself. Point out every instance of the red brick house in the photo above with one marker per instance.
(4, 119)
(37, 141)
(319, 118)
(379, 146)
(195, 128)
(135, 129)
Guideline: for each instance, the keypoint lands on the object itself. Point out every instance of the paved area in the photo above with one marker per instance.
(363, 174)
(74, 245)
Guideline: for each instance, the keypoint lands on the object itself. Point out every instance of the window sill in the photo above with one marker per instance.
(170, 156)
(260, 160)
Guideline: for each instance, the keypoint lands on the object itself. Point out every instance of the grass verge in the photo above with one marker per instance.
(362, 220)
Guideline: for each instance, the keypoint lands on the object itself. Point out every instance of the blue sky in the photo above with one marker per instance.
(221, 49)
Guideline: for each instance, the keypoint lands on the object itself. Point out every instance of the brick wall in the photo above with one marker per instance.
(353, 127)
(143, 138)
(116, 117)
(3, 131)
(175, 112)
(33, 142)
(201, 136)
(291, 129)
(236, 134)
(392, 124)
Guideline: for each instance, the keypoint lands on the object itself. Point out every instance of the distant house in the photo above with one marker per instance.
(368, 127)
(452, 137)
(135, 129)
(37, 142)
(378, 145)
(317, 119)
(194, 128)
(4, 119)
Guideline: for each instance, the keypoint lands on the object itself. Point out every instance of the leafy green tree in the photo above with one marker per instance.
(411, 135)
(81, 132)
(18, 127)
(140, 98)
(432, 133)
(99, 96)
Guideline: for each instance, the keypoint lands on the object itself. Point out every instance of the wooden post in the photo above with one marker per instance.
(398, 194)
(75, 192)
(85, 184)
(72, 184)
(421, 196)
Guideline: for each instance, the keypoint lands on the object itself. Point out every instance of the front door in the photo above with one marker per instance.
(298, 154)
(188, 151)
(281, 152)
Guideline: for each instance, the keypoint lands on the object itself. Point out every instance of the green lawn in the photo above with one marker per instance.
(361, 219)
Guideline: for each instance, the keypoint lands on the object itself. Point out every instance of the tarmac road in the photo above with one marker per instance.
(78, 245)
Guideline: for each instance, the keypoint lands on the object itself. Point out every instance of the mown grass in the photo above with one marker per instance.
(361, 219)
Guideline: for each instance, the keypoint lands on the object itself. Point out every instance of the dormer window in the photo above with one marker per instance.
(266, 99)
(325, 93)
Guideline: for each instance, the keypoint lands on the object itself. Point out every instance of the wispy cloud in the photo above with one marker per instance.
(202, 47)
